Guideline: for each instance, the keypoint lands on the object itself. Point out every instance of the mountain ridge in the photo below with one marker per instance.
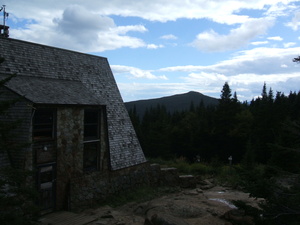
(173, 103)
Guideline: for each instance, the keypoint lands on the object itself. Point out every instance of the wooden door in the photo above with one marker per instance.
(46, 184)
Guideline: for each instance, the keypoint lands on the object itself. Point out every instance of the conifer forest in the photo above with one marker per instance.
(261, 130)
(262, 137)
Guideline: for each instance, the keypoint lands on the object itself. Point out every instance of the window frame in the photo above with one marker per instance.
(36, 126)
(93, 139)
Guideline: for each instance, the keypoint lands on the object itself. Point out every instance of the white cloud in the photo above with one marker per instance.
(289, 44)
(68, 23)
(79, 29)
(270, 79)
(260, 61)
(219, 11)
(211, 41)
(153, 46)
(259, 42)
(125, 29)
(280, 8)
(246, 72)
(88, 26)
(247, 86)
(169, 37)
(206, 79)
(133, 91)
(76, 20)
(295, 21)
(135, 72)
(275, 38)
(156, 10)
(244, 79)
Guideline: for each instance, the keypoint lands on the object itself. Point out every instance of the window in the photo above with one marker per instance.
(91, 125)
(43, 124)
(90, 156)
(91, 139)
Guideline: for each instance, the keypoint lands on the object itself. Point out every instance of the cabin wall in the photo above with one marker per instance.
(94, 188)
(69, 150)
(20, 154)
(94, 72)
(122, 161)
(74, 187)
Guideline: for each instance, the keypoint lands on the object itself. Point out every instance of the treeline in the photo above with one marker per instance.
(259, 131)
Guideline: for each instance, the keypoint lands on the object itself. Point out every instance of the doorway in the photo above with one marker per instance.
(46, 185)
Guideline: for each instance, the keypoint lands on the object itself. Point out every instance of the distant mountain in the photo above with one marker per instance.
(179, 102)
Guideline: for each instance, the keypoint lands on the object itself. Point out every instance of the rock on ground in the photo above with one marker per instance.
(187, 207)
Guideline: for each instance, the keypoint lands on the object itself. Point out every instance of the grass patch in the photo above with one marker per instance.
(184, 167)
(229, 175)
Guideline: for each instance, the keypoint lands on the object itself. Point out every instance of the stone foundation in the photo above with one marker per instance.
(93, 188)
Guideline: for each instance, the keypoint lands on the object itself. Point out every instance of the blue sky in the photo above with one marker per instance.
(159, 48)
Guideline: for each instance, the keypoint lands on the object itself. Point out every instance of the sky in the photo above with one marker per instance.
(159, 48)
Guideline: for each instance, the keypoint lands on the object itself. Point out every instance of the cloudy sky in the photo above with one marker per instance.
(159, 48)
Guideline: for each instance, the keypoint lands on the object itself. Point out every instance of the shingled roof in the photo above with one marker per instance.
(52, 91)
(56, 76)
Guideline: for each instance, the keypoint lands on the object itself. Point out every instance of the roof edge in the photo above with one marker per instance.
(48, 46)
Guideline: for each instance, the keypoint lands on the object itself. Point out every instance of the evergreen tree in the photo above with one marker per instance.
(134, 117)
(155, 132)
(297, 59)
(283, 201)
(227, 140)
(264, 94)
(226, 129)
(271, 96)
(225, 94)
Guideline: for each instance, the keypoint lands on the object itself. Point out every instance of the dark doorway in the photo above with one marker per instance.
(46, 184)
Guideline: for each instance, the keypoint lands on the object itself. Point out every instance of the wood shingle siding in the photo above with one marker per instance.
(22, 112)
(72, 73)
(52, 91)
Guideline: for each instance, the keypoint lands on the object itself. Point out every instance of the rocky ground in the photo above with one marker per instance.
(206, 204)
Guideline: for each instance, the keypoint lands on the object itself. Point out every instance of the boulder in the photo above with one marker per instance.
(163, 219)
(187, 181)
(169, 177)
(206, 184)
(238, 216)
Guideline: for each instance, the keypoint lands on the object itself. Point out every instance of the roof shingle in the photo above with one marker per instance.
(52, 91)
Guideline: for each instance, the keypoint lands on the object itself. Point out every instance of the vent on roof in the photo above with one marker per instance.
(4, 30)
